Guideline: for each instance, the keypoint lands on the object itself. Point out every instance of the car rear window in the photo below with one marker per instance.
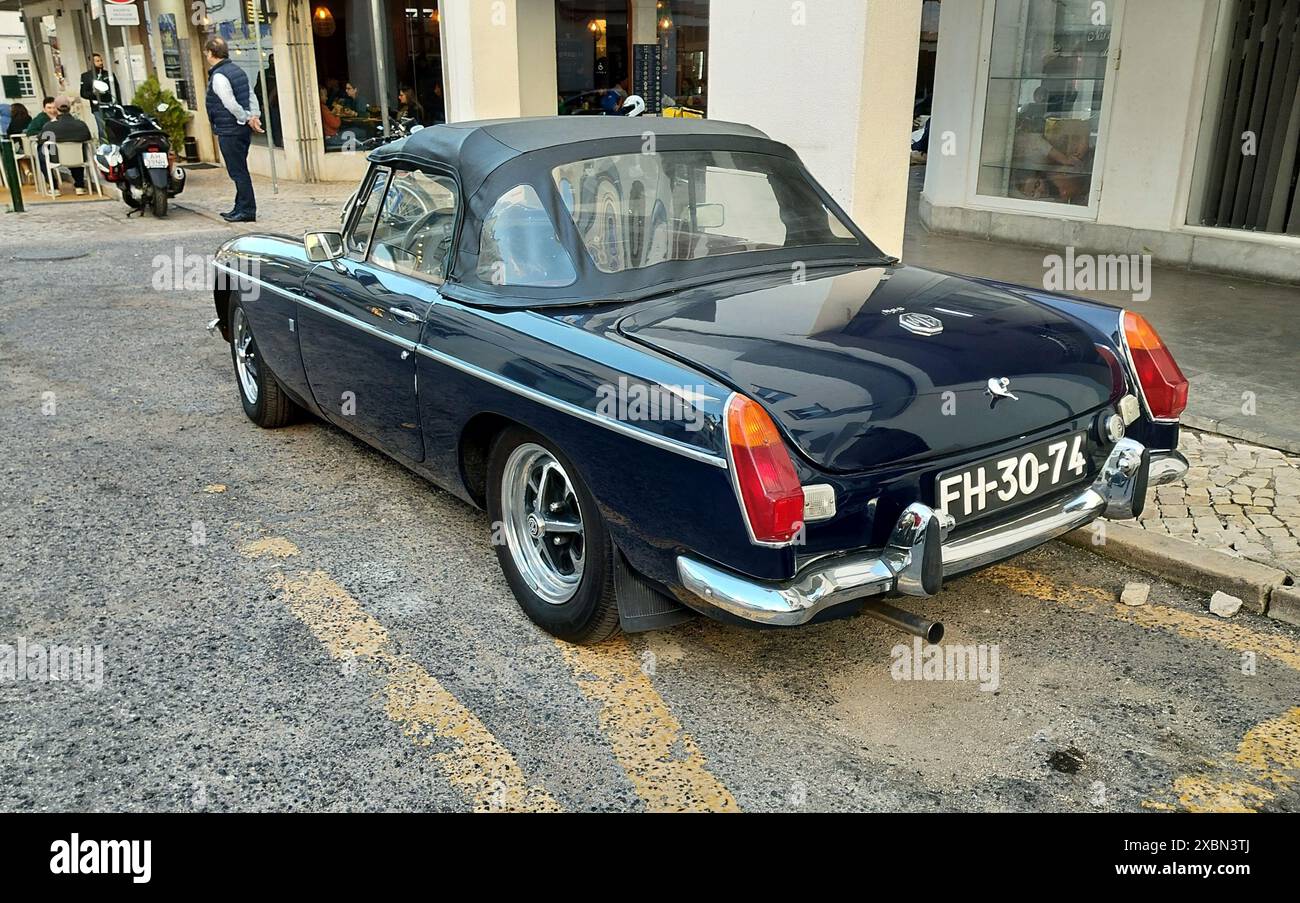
(637, 210)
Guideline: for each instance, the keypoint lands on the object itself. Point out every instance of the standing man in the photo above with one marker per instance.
(233, 112)
(97, 71)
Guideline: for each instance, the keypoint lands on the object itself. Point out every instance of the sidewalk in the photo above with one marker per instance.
(295, 208)
(1237, 498)
(1237, 341)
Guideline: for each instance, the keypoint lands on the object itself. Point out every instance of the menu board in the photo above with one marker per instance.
(647, 79)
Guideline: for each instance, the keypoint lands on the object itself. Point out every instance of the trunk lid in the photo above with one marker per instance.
(854, 389)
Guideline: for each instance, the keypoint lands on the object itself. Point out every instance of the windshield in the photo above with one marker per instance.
(637, 210)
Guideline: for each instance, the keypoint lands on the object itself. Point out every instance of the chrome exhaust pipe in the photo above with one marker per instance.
(930, 631)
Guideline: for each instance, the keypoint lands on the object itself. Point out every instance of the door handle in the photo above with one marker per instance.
(401, 313)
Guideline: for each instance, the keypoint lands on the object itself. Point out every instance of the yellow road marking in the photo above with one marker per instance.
(477, 763)
(662, 761)
(1237, 637)
(1268, 757)
(275, 546)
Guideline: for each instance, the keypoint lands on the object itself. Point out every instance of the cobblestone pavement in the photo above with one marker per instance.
(1237, 498)
(294, 209)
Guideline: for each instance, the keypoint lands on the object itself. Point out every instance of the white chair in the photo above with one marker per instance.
(70, 153)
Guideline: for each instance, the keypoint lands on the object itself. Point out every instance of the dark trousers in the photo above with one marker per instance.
(234, 150)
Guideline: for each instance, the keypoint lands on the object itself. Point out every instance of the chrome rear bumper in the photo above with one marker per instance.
(918, 557)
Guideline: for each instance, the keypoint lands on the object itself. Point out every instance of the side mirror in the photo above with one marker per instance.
(163, 108)
(322, 246)
(710, 216)
(100, 85)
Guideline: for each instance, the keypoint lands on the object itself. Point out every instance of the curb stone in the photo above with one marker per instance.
(1285, 605)
(1190, 564)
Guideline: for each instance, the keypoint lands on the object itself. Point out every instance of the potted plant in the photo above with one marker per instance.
(149, 95)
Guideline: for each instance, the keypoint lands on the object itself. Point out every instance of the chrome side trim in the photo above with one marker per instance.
(315, 305)
(617, 426)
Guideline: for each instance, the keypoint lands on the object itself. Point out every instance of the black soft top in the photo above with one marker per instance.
(492, 156)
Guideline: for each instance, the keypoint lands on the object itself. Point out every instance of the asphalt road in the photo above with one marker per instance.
(288, 620)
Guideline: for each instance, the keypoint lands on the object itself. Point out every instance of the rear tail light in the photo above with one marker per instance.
(1163, 385)
(764, 474)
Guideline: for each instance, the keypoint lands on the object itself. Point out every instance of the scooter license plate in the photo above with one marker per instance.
(156, 160)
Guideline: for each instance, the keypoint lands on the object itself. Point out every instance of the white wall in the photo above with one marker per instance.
(835, 80)
(1159, 89)
(13, 46)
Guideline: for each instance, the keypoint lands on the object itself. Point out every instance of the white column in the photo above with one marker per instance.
(498, 58)
(834, 79)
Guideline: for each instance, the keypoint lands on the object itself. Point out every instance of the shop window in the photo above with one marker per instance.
(683, 29)
(348, 83)
(234, 23)
(1042, 113)
(592, 54)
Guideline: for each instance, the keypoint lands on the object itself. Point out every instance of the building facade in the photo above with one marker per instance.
(1167, 127)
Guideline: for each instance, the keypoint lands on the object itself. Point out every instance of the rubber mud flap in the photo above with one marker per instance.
(932, 559)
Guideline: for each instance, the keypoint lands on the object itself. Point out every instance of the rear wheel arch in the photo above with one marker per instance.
(476, 439)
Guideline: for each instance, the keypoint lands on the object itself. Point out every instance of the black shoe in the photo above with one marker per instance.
(240, 218)
(228, 216)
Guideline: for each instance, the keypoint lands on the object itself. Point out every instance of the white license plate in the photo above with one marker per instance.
(996, 483)
(155, 160)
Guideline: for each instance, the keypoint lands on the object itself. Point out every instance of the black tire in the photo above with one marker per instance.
(272, 407)
(159, 202)
(591, 614)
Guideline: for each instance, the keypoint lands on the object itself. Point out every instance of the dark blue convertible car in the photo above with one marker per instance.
(679, 378)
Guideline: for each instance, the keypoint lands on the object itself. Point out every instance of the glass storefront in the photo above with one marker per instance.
(233, 22)
(592, 55)
(347, 77)
(595, 43)
(1047, 74)
(683, 29)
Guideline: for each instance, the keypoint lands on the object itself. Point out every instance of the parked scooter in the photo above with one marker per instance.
(138, 157)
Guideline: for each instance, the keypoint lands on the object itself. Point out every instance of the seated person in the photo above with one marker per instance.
(66, 127)
(48, 112)
(329, 123)
(351, 103)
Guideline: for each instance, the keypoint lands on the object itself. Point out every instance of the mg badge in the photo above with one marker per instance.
(921, 324)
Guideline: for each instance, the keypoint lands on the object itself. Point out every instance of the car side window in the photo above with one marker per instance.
(368, 209)
(416, 225)
(518, 245)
